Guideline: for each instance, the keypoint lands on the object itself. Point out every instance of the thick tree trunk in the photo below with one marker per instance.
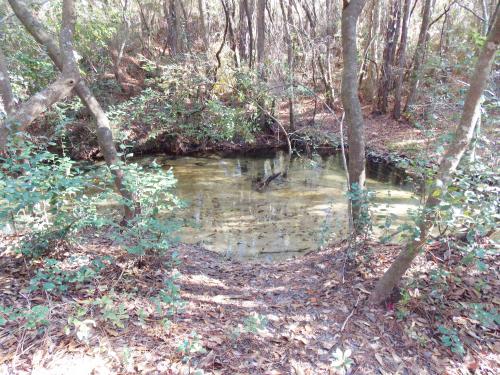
(104, 134)
(350, 99)
(418, 59)
(401, 60)
(459, 144)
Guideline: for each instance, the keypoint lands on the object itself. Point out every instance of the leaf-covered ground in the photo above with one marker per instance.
(249, 317)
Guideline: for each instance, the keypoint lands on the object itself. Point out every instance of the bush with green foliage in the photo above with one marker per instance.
(47, 197)
(35, 317)
(152, 230)
(362, 199)
(57, 277)
(183, 103)
(38, 192)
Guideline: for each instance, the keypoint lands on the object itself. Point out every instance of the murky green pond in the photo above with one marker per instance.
(289, 217)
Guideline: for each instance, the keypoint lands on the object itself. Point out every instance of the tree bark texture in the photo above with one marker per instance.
(370, 83)
(35, 106)
(401, 60)
(287, 18)
(386, 74)
(249, 13)
(261, 33)
(173, 37)
(203, 24)
(419, 58)
(233, 43)
(350, 99)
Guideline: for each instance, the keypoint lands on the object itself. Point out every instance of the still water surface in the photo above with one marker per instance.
(292, 216)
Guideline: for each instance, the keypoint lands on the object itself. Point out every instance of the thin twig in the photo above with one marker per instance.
(351, 314)
(346, 255)
(217, 55)
(280, 125)
(471, 11)
(445, 12)
(119, 278)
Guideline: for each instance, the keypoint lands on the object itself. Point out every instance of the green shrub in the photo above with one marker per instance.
(47, 197)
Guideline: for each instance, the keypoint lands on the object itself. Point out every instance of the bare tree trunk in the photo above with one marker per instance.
(457, 147)
(104, 134)
(242, 32)
(444, 37)
(365, 43)
(170, 9)
(370, 83)
(495, 6)
(261, 35)
(145, 26)
(201, 10)
(224, 35)
(350, 99)
(486, 18)
(326, 71)
(181, 26)
(391, 40)
(5, 86)
(401, 60)
(287, 19)
(185, 27)
(232, 34)
(418, 59)
(250, 33)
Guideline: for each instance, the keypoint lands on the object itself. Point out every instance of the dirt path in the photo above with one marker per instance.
(309, 312)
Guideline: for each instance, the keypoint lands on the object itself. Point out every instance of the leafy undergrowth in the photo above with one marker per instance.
(301, 316)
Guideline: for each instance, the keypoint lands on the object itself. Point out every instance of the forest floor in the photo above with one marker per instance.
(253, 318)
